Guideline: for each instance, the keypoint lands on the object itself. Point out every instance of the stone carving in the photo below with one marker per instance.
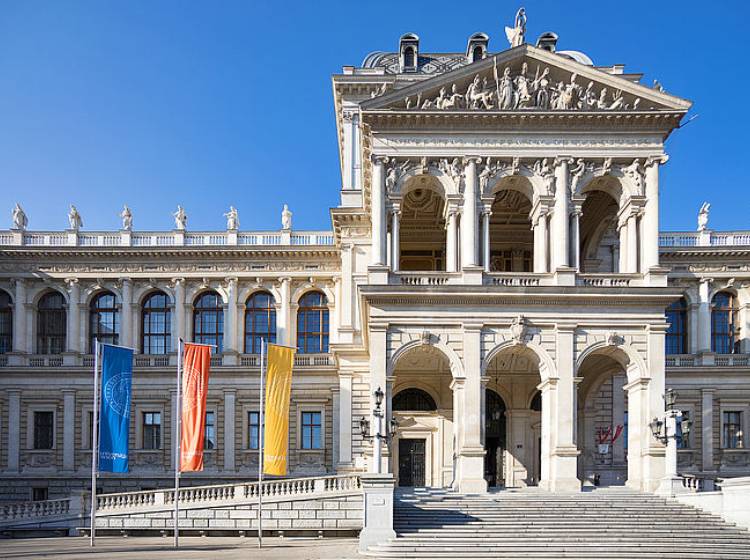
(20, 221)
(233, 218)
(395, 172)
(703, 216)
(74, 218)
(519, 330)
(576, 174)
(379, 91)
(180, 218)
(634, 172)
(606, 167)
(426, 338)
(517, 34)
(127, 218)
(478, 95)
(543, 169)
(452, 169)
(286, 218)
(614, 339)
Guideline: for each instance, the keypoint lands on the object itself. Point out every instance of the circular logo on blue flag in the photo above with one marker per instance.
(116, 393)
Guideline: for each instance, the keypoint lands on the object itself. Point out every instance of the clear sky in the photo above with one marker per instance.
(208, 104)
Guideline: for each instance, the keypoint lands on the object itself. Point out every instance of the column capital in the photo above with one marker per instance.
(229, 392)
(457, 383)
(70, 281)
(468, 160)
(18, 282)
(178, 282)
(547, 384)
(560, 160)
(378, 159)
(658, 159)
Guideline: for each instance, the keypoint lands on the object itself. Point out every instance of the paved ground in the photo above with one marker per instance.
(160, 548)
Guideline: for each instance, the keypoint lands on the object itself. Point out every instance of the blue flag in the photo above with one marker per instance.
(114, 416)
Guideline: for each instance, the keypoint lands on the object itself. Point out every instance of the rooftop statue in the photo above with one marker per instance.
(286, 218)
(127, 218)
(20, 221)
(180, 218)
(233, 218)
(703, 216)
(516, 34)
(74, 218)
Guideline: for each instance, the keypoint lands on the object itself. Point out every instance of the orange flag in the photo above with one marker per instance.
(278, 392)
(196, 362)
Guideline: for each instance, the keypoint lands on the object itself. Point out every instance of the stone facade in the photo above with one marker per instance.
(495, 252)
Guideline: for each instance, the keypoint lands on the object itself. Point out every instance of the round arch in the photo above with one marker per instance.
(246, 293)
(624, 354)
(303, 290)
(454, 362)
(523, 181)
(193, 294)
(142, 293)
(435, 180)
(547, 367)
(44, 290)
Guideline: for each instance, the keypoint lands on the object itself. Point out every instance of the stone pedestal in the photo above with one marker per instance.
(378, 509)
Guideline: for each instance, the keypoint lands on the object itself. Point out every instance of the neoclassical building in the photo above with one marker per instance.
(495, 266)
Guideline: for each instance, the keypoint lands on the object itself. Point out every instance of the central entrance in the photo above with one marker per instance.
(411, 462)
(494, 439)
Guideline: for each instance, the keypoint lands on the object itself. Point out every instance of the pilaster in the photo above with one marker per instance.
(229, 429)
(69, 425)
(14, 429)
(377, 190)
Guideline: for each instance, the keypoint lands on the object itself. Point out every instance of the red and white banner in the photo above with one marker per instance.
(196, 362)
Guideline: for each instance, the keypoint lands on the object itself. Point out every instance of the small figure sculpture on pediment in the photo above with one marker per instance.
(286, 218)
(703, 216)
(233, 219)
(20, 221)
(517, 34)
(540, 85)
(454, 100)
(478, 93)
(74, 218)
(180, 218)
(507, 99)
(568, 94)
(127, 218)
(523, 95)
(588, 98)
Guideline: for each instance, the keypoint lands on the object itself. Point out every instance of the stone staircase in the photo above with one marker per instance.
(530, 523)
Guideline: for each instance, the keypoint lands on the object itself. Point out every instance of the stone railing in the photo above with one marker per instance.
(708, 360)
(26, 513)
(670, 239)
(425, 278)
(693, 483)
(605, 280)
(227, 494)
(300, 360)
(514, 279)
(165, 238)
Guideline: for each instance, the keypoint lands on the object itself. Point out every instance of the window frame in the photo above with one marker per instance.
(677, 332)
(725, 342)
(214, 337)
(165, 336)
(6, 318)
(31, 427)
(301, 443)
(95, 320)
(144, 427)
(414, 393)
(252, 335)
(214, 425)
(321, 337)
(47, 338)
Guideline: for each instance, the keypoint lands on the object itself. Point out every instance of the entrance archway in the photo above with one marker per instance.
(495, 439)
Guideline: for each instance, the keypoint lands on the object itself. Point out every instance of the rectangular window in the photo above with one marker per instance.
(253, 429)
(152, 430)
(732, 435)
(311, 430)
(39, 494)
(209, 439)
(43, 429)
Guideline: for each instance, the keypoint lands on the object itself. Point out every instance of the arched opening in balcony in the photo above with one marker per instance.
(422, 236)
(511, 235)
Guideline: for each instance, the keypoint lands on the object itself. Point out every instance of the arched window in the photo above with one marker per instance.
(208, 320)
(724, 324)
(104, 320)
(312, 324)
(476, 54)
(50, 327)
(413, 400)
(409, 61)
(156, 324)
(260, 321)
(676, 342)
(6, 323)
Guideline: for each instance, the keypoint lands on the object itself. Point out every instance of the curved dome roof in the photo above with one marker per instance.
(578, 56)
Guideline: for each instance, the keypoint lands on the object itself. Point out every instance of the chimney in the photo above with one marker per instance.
(547, 41)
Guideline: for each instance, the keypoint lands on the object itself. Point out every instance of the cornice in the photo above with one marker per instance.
(186, 252)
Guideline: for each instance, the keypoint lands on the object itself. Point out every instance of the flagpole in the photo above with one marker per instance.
(94, 442)
(260, 442)
(178, 426)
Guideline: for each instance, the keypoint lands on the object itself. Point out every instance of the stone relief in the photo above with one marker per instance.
(519, 330)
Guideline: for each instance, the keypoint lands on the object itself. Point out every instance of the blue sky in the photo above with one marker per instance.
(209, 104)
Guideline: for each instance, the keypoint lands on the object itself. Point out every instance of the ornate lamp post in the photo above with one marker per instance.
(667, 432)
(378, 436)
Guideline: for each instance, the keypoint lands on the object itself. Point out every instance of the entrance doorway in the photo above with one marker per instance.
(411, 462)
(494, 439)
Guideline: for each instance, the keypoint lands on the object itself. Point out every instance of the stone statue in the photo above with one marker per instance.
(127, 218)
(703, 216)
(576, 174)
(543, 169)
(523, 95)
(20, 221)
(540, 86)
(180, 218)
(286, 218)
(516, 34)
(478, 93)
(394, 173)
(634, 172)
(507, 91)
(233, 218)
(74, 218)
(568, 98)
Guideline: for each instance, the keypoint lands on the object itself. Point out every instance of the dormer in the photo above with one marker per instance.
(476, 49)
(408, 50)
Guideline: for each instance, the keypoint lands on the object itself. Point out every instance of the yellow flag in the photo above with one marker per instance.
(278, 393)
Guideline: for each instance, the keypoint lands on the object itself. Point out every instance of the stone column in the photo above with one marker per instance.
(345, 419)
(632, 252)
(230, 322)
(451, 245)
(564, 471)
(346, 303)
(73, 318)
(457, 388)
(622, 228)
(179, 312)
(560, 227)
(471, 455)
(378, 349)
(282, 314)
(575, 237)
(469, 215)
(618, 417)
(483, 416)
(378, 210)
(19, 317)
(707, 430)
(14, 429)
(548, 388)
(704, 316)
(126, 325)
(69, 429)
(395, 237)
(540, 241)
(335, 425)
(650, 220)
(486, 239)
(230, 423)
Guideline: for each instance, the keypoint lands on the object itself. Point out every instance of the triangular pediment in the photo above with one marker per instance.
(526, 79)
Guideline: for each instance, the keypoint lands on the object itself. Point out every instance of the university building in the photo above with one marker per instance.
(495, 266)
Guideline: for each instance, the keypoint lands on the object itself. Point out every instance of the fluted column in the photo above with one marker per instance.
(378, 210)
(650, 220)
(126, 324)
(395, 237)
(179, 312)
(560, 232)
(73, 316)
(19, 317)
(486, 213)
(469, 219)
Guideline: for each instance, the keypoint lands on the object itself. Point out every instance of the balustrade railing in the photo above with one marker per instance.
(425, 278)
(704, 238)
(20, 511)
(707, 360)
(513, 279)
(604, 280)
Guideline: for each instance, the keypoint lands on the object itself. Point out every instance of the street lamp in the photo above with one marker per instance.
(670, 431)
(378, 436)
